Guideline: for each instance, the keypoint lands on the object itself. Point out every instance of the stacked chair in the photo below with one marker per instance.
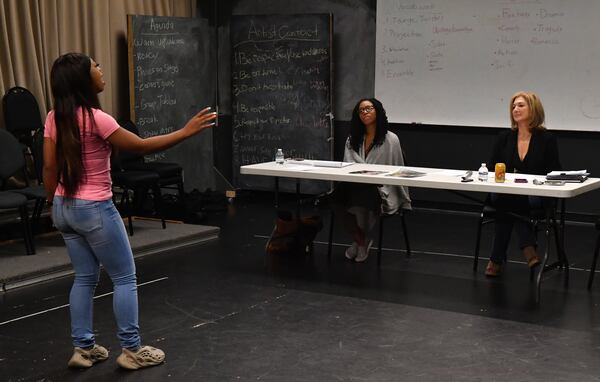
(170, 174)
(137, 182)
(12, 162)
(130, 172)
(22, 138)
(21, 114)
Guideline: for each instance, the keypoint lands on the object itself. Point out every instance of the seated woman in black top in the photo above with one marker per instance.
(526, 148)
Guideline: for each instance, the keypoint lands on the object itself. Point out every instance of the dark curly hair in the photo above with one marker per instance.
(357, 128)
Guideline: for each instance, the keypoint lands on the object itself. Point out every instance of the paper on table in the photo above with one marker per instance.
(296, 168)
(450, 172)
(318, 163)
(406, 173)
(576, 172)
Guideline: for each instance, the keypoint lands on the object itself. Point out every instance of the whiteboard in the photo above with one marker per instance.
(458, 62)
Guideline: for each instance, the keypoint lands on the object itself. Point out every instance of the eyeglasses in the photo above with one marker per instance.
(366, 110)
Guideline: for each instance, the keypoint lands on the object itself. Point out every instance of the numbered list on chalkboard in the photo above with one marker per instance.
(281, 90)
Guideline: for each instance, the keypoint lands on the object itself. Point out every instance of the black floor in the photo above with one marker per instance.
(226, 312)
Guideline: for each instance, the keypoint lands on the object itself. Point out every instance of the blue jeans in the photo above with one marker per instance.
(94, 234)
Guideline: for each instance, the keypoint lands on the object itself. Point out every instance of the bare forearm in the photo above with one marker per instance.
(127, 141)
(50, 183)
(162, 142)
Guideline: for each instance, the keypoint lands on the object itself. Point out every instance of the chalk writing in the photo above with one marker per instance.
(156, 26)
(166, 68)
(165, 62)
(280, 85)
(273, 32)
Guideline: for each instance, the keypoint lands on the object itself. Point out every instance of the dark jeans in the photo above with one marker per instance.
(520, 205)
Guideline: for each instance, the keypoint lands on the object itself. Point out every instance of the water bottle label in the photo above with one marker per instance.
(279, 158)
(483, 174)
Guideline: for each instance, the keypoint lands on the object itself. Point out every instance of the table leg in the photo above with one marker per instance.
(298, 199)
(562, 235)
(330, 236)
(544, 259)
(562, 255)
(561, 243)
(559, 233)
(276, 193)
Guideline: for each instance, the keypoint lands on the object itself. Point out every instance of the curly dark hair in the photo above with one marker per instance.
(357, 128)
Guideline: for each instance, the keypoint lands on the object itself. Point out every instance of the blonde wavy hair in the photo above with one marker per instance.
(536, 110)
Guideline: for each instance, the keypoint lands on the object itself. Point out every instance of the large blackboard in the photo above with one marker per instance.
(281, 91)
(170, 80)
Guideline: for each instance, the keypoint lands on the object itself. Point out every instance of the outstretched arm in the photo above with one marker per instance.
(127, 141)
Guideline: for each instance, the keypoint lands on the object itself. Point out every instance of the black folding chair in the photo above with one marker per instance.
(595, 257)
(140, 182)
(488, 215)
(12, 200)
(170, 174)
(382, 218)
(12, 162)
(21, 114)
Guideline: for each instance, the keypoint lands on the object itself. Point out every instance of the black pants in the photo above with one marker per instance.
(520, 205)
(348, 195)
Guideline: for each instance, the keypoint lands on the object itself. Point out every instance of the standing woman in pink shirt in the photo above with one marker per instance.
(78, 139)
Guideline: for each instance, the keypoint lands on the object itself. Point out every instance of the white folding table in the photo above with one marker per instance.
(435, 178)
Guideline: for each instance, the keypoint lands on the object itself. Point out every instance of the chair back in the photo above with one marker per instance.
(12, 158)
(21, 114)
(126, 156)
(129, 126)
(37, 152)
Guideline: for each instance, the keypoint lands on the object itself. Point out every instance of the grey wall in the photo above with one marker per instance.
(354, 68)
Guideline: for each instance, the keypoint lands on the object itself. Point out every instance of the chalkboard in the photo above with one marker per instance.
(170, 80)
(353, 58)
(457, 62)
(281, 92)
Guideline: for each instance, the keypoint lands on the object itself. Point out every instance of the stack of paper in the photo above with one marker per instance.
(568, 176)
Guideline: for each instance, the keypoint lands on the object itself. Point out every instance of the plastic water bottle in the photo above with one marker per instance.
(483, 173)
(279, 156)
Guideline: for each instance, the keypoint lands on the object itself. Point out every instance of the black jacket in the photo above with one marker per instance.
(542, 155)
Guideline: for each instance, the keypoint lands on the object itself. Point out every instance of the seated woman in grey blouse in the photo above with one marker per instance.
(360, 204)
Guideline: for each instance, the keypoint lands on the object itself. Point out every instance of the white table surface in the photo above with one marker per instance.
(435, 178)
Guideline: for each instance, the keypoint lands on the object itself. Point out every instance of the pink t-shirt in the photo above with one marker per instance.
(96, 183)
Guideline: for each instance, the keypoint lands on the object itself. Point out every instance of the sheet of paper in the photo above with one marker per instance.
(450, 172)
(297, 167)
(318, 163)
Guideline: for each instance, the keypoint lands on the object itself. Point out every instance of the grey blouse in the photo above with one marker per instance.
(390, 153)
